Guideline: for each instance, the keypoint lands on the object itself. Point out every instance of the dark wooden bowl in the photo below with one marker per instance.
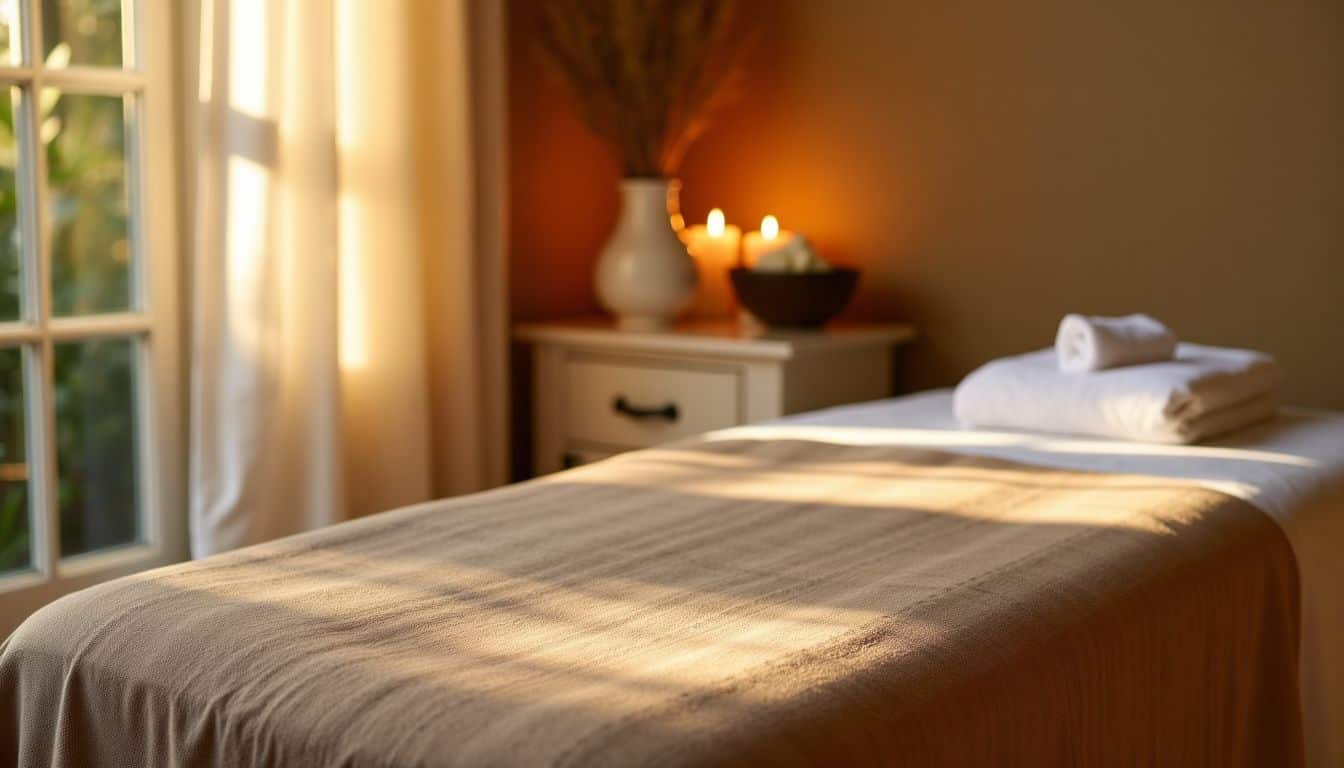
(793, 299)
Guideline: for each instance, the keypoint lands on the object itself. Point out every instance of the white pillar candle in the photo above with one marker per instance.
(767, 238)
(714, 246)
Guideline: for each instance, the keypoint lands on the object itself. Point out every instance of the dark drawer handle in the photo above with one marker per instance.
(667, 412)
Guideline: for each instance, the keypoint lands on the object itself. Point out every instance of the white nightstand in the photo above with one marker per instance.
(599, 391)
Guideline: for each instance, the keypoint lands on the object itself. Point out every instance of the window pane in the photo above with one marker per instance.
(90, 202)
(15, 542)
(11, 275)
(84, 33)
(11, 43)
(96, 452)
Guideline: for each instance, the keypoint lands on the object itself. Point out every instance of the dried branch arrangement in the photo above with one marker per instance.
(647, 75)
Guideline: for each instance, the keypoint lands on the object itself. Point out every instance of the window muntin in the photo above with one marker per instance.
(88, 367)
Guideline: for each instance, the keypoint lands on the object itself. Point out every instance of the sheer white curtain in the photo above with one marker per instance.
(312, 367)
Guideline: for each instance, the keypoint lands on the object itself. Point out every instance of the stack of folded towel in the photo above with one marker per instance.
(1124, 377)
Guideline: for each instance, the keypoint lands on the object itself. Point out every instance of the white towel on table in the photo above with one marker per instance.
(1086, 343)
(1204, 392)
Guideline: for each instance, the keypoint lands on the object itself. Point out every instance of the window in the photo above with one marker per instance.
(89, 479)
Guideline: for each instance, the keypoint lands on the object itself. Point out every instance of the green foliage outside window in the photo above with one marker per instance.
(84, 138)
(14, 528)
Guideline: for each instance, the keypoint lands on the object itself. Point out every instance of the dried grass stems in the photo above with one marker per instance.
(647, 74)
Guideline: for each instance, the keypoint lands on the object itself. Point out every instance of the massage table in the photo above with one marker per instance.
(867, 585)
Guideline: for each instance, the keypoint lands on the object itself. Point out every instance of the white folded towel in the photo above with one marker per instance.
(1087, 343)
(1205, 391)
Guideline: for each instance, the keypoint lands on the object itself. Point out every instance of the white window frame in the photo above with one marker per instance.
(148, 49)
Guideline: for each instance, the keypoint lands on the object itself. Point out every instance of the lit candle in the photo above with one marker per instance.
(714, 246)
(768, 238)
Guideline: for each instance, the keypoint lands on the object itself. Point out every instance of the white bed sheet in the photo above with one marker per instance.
(1291, 467)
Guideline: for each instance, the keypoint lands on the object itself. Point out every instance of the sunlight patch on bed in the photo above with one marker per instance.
(950, 439)
(866, 436)
(585, 638)
(844, 488)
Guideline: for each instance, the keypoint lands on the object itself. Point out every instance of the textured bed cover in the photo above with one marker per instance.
(732, 600)
(1291, 467)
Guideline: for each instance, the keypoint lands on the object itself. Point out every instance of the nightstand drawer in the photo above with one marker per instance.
(637, 406)
(598, 390)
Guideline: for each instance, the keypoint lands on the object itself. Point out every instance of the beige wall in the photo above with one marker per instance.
(993, 165)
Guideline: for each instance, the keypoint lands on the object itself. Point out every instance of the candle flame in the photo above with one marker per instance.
(715, 223)
(769, 228)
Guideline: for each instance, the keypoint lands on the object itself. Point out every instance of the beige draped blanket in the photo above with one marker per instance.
(717, 602)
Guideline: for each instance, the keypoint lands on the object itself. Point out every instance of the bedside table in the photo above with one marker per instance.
(598, 391)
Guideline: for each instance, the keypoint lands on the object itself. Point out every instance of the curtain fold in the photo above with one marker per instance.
(314, 335)
(460, 68)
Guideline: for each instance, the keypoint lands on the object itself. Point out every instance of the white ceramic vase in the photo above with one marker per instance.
(644, 275)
